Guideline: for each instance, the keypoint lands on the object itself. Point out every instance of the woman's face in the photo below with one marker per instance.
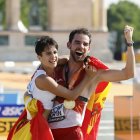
(49, 57)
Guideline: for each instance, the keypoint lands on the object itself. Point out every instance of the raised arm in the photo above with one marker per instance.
(128, 71)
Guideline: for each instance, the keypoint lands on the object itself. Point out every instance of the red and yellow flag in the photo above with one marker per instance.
(35, 129)
(95, 105)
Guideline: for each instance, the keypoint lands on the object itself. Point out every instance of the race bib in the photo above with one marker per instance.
(57, 114)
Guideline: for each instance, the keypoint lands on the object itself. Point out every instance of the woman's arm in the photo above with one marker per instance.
(49, 84)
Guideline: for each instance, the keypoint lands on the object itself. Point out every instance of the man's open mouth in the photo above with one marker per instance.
(79, 53)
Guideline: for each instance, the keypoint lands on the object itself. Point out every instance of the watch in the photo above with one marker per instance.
(130, 44)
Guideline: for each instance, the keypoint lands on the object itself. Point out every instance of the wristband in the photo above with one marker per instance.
(130, 44)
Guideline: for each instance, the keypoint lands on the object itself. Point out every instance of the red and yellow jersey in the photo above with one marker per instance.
(95, 104)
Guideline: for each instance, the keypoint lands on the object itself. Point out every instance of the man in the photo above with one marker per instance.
(66, 122)
(79, 45)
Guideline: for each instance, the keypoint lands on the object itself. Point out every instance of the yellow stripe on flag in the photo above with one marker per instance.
(23, 133)
(99, 97)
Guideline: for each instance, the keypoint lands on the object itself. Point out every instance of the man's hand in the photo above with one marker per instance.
(90, 70)
(128, 33)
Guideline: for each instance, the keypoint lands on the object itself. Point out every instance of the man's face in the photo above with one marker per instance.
(79, 47)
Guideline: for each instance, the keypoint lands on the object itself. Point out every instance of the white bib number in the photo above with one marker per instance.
(57, 114)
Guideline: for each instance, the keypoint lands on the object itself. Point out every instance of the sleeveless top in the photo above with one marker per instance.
(45, 97)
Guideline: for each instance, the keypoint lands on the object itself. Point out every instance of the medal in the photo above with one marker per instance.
(69, 104)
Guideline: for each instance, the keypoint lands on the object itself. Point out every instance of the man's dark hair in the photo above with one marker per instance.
(44, 42)
(80, 31)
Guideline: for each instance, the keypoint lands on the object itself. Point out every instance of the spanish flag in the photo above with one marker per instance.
(95, 104)
(35, 129)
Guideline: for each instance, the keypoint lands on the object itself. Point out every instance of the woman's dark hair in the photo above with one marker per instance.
(44, 42)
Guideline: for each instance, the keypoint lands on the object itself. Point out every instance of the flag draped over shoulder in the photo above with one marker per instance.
(35, 129)
(95, 104)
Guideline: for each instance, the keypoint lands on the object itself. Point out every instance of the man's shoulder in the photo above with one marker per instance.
(60, 67)
(59, 70)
